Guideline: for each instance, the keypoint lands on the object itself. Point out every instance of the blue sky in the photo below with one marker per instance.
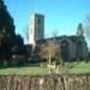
(61, 16)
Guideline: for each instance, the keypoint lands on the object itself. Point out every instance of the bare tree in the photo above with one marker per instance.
(87, 27)
(49, 50)
(87, 30)
(26, 33)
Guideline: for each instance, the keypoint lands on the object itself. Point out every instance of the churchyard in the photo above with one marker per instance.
(75, 67)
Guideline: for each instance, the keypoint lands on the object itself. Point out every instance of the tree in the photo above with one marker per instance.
(7, 26)
(17, 45)
(87, 30)
(6, 21)
(87, 27)
(50, 50)
(6, 30)
(8, 37)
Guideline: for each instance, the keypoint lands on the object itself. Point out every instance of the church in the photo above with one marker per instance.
(73, 47)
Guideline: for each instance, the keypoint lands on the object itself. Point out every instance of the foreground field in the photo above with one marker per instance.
(24, 71)
(75, 68)
(81, 67)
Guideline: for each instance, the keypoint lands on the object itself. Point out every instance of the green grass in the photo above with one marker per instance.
(81, 67)
(23, 71)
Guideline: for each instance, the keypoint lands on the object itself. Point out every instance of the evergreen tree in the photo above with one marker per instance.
(8, 38)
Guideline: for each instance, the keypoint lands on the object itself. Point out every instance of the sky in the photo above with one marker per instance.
(61, 16)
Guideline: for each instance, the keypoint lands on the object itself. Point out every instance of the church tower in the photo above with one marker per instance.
(80, 31)
(36, 28)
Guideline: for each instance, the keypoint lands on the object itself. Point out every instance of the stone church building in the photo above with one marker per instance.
(73, 47)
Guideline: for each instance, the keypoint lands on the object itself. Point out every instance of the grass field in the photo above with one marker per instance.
(23, 71)
(76, 68)
(81, 67)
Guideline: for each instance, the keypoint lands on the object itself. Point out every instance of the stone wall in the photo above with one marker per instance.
(47, 82)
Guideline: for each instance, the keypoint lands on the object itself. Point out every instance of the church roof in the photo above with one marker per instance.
(72, 38)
